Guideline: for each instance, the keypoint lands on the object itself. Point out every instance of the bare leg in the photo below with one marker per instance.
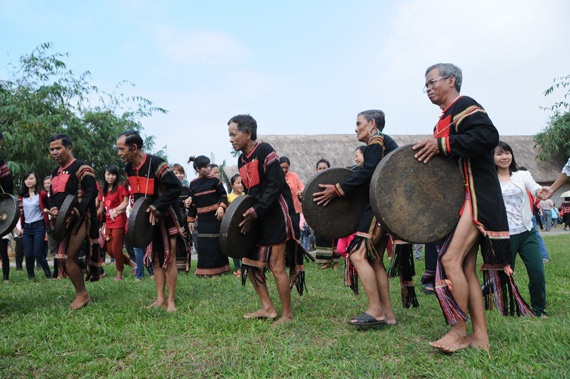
(464, 240)
(82, 298)
(171, 277)
(367, 277)
(277, 267)
(159, 281)
(267, 309)
(479, 338)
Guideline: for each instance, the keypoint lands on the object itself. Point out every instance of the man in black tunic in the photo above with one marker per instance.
(466, 134)
(75, 177)
(151, 176)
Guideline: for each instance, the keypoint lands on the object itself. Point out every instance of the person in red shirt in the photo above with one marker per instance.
(115, 201)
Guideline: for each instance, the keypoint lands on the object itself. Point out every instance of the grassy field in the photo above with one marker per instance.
(116, 337)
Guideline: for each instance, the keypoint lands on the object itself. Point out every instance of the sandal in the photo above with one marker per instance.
(364, 319)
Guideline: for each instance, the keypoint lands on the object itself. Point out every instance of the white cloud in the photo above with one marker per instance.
(200, 46)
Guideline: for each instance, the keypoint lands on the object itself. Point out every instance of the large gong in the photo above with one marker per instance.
(9, 213)
(140, 231)
(233, 242)
(415, 201)
(60, 228)
(340, 217)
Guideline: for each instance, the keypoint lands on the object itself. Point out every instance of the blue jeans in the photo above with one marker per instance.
(139, 256)
(547, 220)
(543, 251)
(34, 234)
(305, 235)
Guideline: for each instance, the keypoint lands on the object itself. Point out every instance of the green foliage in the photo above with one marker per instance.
(554, 139)
(42, 97)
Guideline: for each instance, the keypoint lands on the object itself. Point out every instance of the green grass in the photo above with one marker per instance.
(116, 337)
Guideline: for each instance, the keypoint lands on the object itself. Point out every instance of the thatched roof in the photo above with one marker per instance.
(304, 151)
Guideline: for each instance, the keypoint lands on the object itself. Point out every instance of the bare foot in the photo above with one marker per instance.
(282, 320)
(171, 307)
(451, 342)
(80, 301)
(157, 304)
(335, 267)
(262, 313)
(326, 265)
(478, 343)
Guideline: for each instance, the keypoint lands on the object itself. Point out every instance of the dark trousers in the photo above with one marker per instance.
(4, 258)
(19, 252)
(526, 244)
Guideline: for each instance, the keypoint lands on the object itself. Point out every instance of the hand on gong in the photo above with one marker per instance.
(427, 149)
(152, 218)
(247, 223)
(70, 219)
(325, 196)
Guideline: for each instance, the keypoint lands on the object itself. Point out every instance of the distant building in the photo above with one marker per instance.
(305, 150)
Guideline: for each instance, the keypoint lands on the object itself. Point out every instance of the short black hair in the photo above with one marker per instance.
(132, 137)
(284, 160)
(323, 160)
(65, 139)
(244, 123)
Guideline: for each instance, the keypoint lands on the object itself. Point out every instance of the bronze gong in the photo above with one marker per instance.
(233, 242)
(414, 201)
(9, 213)
(60, 229)
(140, 231)
(340, 218)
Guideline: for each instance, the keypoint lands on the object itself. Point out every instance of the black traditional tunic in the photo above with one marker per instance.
(183, 255)
(78, 179)
(274, 212)
(208, 194)
(466, 133)
(155, 179)
(377, 147)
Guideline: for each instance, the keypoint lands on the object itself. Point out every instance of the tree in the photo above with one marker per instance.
(554, 139)
(42, 97)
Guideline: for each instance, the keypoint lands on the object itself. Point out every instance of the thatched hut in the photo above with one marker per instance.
(305, 150)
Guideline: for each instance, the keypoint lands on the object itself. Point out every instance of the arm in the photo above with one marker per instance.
(549, 191)
(121, 208)
(223, 200)
(170, 185)
(86, 176)
(300, 186)
(274, 182)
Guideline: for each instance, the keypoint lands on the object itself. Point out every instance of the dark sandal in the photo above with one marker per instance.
(364, 319)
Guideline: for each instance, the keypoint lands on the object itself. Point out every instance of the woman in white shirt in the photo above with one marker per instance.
(516, 185)
(34, 220)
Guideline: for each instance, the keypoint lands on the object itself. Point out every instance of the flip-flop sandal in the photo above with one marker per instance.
(429, 288)
(364, 319)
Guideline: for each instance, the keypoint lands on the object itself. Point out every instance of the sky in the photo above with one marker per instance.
(300, 67)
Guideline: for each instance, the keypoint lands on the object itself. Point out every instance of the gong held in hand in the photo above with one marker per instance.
(9, 213)
(417, 202)
(233, 242)
(140, 231)
(340, 218)
(61, 227)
